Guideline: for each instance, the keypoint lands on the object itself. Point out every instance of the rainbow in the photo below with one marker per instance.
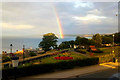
(59, 24)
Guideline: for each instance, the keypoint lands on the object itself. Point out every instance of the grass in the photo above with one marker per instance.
(52, 60)
(71, 54)
(106, 50)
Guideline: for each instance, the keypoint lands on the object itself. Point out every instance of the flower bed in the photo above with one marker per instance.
(64, 58)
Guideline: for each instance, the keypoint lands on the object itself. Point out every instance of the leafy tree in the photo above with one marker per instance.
(48, 41)
(72, 43)
(107, 39)
(98, 40)
(81, 41)
(91, 42)
(84, 41)
(77, 40)
(64, 45)
(117, 37)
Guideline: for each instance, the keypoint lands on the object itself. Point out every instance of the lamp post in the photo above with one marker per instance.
(113, 48)
(11, 48)
(15, 61)
(113, 40)
(23, 52)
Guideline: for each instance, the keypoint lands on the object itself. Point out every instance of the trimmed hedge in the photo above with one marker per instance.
(44, 68)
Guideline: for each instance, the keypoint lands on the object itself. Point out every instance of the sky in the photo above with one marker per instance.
(38, 18)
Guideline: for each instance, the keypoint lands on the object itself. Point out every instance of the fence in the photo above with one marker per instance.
(106, 58)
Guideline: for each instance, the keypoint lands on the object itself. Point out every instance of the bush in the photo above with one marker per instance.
(98, 51)
(81, 51)
(32, 54)
(6, 59)
(44, 68)
(64, 51)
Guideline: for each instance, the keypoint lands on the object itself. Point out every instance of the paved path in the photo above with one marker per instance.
(25, 59)
(80, 53)
(75, 71)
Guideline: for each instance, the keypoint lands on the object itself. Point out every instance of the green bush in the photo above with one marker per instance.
(6, 59)
(97, 51)
(44, 68)
(81, 51)
(32, 54)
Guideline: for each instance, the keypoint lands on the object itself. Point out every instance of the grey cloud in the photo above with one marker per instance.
(42, 16)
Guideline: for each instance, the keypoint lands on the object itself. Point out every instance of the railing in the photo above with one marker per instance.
(106, 58)
(27, 60)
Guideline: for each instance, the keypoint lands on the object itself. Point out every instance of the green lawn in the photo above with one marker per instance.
(106, 50)
(52, 60)
(70, 54)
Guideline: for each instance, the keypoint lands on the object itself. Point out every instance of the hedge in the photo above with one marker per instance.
(6, 59)
(81, 51)
(98, 51)
(44, 68)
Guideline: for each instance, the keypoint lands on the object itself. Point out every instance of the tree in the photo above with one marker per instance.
(72, 43)
(64, 45)
(117, 37)
(81, 41)
(49, 41)
(77, 40)
(91, 42)
(107, 39)
(98, 40)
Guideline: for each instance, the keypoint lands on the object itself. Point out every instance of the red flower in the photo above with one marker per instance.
(91, 54)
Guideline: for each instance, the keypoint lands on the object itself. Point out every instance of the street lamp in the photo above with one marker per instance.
(11, 48)
(15, 61)
(113, 40)
(113, 48)
(113, 43)
(23, 52)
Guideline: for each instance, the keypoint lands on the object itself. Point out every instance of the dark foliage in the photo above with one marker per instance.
(32, 54)
(45, 68)
(6, 59)
(80, 51)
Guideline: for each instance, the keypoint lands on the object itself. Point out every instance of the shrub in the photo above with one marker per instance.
(81, 51)
(6, 59)
(98, 51)
(64, 51)
(43, 68)
(32, 54)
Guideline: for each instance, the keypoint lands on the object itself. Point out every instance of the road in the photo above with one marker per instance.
(99, 75)
(91, 72)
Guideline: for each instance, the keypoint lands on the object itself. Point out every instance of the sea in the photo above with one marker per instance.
(28, 42)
